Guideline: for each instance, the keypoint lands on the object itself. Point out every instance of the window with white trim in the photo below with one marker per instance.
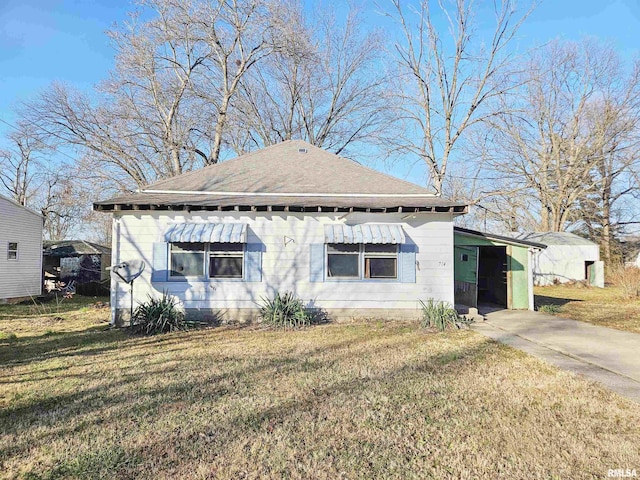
(226, 260)
(213, 260)
(12, 251)
(380, 261)
(362, 261)
(343, 260)
(187, 259)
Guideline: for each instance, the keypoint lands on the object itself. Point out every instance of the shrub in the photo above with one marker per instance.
(159, 315)
(285, 311)
(9, 337)
(627, 279)
(441, 315)
(549, 308)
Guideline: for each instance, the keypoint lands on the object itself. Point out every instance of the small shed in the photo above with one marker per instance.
(567, 258)
(75, 260)
(493, 270)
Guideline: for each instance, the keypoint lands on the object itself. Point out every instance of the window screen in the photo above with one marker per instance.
(343, 260)
(226, 260)
(187, 259)
(381, 261)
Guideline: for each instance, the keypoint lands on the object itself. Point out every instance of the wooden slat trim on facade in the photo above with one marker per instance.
(117, 207)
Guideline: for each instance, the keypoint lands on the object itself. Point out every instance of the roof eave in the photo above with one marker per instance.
(498, 238)
(455, 209)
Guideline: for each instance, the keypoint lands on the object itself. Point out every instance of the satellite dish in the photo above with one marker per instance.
(129, 271)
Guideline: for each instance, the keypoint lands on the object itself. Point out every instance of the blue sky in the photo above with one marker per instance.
(64, 40)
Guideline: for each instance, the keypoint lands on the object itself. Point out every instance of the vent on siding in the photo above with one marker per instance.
(302, 150)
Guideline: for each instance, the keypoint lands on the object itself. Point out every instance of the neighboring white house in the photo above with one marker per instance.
(20, 251)
(632, 259)
(568, 257)
(291, 217)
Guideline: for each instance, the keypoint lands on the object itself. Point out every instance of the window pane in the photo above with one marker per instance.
(226, 247)
(187, 264)
(380, 248)
(225, 267)
(343, 265)
(379, 267)
(12, 251)
(187, 247)
(343, 248)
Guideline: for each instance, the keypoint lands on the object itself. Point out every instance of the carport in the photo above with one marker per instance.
(493, 270)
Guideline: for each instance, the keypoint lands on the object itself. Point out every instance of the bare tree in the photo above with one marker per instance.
(326, 83)
(609, 208)
(571, 131)
(164, 108)
(60, 207)
(22, 164)
(448, 81)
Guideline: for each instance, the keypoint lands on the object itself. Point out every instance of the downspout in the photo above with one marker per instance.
(477, 274)
(115, 260)
(530, 277)
(509, 275)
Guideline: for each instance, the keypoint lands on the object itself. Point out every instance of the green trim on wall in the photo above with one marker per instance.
(517, 262)
(465, 271)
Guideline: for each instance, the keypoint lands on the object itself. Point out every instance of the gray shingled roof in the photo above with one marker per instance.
(290, 174)
(71, 248)
(555, 238)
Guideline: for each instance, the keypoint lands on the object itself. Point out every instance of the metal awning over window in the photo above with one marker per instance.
(207, 233)
(363, 234)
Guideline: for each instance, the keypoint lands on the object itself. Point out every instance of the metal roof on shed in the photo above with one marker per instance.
(555, 238)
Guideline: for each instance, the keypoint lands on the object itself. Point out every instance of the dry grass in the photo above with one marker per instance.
(627, 279)
(608, 307)
(36, 318)
(377, 400)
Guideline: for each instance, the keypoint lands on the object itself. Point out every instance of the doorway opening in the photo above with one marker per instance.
(588, 270)
(492, 276)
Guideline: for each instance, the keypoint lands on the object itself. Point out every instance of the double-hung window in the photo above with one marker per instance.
(343, 260)
(187, 259)
(226, 260)
(380, 261)
(12, 251)
(362, 261)
(218, 260)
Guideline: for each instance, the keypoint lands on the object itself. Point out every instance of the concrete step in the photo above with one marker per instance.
(470, 313)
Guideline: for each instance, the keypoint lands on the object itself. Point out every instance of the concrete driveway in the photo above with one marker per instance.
(608, 356)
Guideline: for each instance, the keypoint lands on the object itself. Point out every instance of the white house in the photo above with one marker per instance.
(20, 251)
(568, 257)
(290, 217)
(632, 259)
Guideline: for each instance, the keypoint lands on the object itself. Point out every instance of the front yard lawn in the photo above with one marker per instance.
(601, 306)
(369, 400)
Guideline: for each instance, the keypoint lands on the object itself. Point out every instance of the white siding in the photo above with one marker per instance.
(21, 277)
(563, 263)
(286, 266)
(634, 261)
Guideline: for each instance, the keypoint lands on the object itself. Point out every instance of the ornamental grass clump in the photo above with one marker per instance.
(159, 315)
(550, 308)
(440, 315)
(627, 279)
(285, 311)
